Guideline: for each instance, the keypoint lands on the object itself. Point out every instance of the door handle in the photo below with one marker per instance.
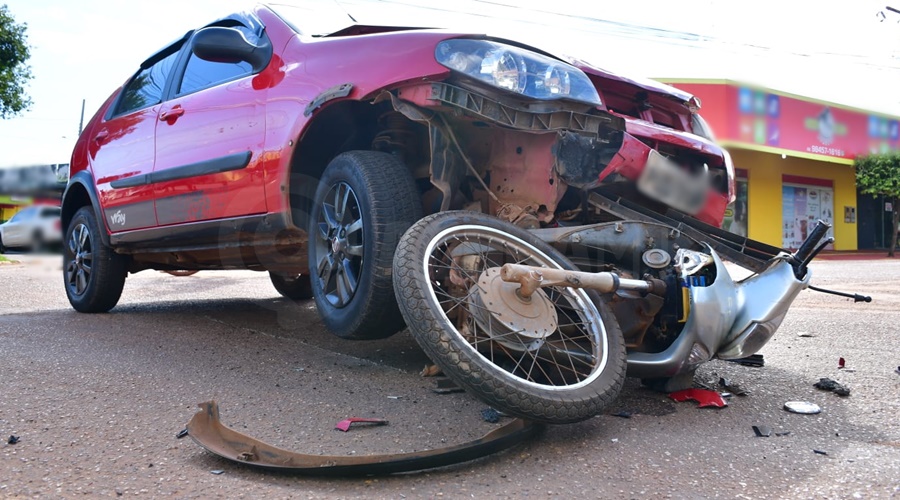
(103, 134)
(172, 113)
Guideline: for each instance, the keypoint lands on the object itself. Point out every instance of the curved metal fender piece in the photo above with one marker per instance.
(207, 430)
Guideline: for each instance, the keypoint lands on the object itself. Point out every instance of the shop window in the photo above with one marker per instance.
(735, 220)
(803, 202)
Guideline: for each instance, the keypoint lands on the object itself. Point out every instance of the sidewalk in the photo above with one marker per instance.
(857, 255)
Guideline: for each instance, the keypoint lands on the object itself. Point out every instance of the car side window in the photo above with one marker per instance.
(200, 74)
(147, 87)
(23, 215)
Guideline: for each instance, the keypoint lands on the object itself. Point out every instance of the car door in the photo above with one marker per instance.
(209, 142)
(122, 149)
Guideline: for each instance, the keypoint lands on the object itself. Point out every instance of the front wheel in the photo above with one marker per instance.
(94, 275)
(553, 358)
(364, 202)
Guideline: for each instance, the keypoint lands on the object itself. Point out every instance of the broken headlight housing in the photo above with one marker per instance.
(516, 70)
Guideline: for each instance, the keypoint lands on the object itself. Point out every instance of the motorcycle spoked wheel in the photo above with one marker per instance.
(557, 359)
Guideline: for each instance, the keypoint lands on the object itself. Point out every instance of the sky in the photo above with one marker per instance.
(847, 52)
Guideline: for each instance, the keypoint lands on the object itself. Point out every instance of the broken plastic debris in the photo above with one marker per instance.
(182, 433)
(805, 335)
(344, 425)
(430, 371)
(802, 407)
(12, 440)
(753, 360)
(704, 397)
(490, 415)
(446, 386)
(622, 414)
(820, 452)
(842, 363)
(732, 387)
(826, 384)
(217, 471)
(783, 433)
(762, 430)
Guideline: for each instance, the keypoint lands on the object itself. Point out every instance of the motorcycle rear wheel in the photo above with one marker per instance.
(560, 359)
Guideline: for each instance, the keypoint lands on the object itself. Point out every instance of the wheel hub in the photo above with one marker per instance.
(514, 321)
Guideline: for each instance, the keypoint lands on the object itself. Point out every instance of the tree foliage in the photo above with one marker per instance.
(14, 70)
(879, 174)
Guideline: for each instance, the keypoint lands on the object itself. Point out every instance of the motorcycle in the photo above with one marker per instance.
(545, 324)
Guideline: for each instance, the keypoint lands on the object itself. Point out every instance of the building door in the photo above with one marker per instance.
(804, 201)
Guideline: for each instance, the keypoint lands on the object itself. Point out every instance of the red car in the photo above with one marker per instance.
(251, 143)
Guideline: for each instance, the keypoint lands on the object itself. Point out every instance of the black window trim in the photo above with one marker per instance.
(248, 21)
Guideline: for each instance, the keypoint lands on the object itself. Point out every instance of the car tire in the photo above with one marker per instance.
(292, 287)
(2, 247)
(93, 274)
(364, 203)
(37, 242)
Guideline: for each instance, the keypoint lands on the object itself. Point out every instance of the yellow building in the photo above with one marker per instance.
(794, 160)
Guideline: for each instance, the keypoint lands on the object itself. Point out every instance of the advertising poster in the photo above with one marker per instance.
(802, 206)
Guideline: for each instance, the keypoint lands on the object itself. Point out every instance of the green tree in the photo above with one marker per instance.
(879, 174)
(14, 72)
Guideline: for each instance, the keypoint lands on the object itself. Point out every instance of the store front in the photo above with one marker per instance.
(794, 160)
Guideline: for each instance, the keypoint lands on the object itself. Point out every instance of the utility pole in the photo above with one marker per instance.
(81, 122)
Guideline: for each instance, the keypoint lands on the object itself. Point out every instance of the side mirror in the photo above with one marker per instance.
(229, 45)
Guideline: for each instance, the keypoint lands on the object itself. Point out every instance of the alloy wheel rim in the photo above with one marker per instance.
(339, 244)
(80, 259)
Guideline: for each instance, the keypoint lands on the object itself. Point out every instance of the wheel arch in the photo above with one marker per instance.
(336, 128)
(81, 193)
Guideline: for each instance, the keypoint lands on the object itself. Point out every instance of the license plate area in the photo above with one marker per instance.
(666, 182)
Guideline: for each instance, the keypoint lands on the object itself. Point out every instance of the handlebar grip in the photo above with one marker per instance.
(812, 241)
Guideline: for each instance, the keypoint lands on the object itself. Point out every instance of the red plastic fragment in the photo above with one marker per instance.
(841, 363)
(703, 396)
(344, 425)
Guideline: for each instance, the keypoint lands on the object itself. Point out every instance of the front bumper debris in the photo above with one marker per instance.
(208, 431)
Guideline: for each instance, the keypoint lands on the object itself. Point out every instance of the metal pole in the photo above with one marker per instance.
(81, 122)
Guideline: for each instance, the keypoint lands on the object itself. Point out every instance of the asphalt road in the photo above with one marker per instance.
(96, 401)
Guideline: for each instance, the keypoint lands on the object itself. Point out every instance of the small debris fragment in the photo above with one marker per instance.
(842, 363)
(753, 360)
(802, 407)
(431, 371)
(182, 433)
(820, 452)
(805, 335)
(12, 440)
(826, 384)
(217, 472)
(622, 414)
(344, 425)
(394, 397)
(703, 396)
(897, 371)
(762, 431)
(446, 386)
(732, 387)
(615, 440)
(783, 433)
(490, 415)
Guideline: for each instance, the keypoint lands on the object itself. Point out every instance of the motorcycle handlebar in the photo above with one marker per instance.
(809, 248)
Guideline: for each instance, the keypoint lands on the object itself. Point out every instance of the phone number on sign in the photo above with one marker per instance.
(824, 150)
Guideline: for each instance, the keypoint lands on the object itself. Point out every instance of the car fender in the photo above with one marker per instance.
(71, 202)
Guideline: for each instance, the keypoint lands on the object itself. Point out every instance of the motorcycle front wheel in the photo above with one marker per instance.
(556, 357)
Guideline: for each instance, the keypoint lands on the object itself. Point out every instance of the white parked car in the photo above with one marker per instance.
(33, 228)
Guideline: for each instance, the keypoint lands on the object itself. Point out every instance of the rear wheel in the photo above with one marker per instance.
(292, 287)
(2, 247)
(553, 358)
(364, 203)
(94, 275)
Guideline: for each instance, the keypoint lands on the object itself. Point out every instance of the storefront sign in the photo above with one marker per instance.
(771, 119)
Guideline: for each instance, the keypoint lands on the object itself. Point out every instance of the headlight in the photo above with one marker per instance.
(516, 70)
